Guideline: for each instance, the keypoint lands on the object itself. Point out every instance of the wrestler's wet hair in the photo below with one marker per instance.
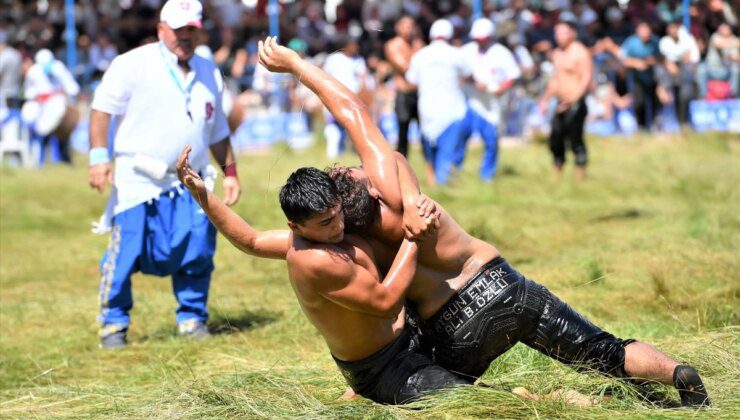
(359, 207)
(307, 192)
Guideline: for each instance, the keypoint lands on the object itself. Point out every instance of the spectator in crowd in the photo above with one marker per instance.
(722, 62)
(519, 14)
(569, 84)
(11, 63)
(436, 70)
(49, 88)
(604, 106)
(229, 57)
(521, 54)
(166, 97)
(106, 28)
(311, 28)
(681, 55)
(642, 11)
(302, 98)
(541, 38)
(350, 69)
(640, 53)
(495, 71)
(669, 10)
(102, 53)
(617, 29)
(398, 52)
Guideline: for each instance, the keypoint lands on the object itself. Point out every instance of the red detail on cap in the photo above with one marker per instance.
(195, 23)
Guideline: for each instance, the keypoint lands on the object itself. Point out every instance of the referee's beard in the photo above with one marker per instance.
(180, 42)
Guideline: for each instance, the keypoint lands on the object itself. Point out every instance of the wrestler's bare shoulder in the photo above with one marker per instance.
(396, 42)
(321, 264)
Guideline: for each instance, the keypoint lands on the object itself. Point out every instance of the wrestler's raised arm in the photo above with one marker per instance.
(267, 244)
(420, 213)
(375, 153)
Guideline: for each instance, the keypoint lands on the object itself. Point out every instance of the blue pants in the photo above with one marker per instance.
(443, 154)
(488, 132)
(167, 236)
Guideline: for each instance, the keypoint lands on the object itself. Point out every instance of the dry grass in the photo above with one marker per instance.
(647, 248)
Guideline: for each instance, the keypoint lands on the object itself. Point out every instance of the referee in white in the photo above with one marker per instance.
(164, 97)
(495, 71)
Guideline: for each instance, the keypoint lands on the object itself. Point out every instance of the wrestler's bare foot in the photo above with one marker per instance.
(348, 395)
(558, 173)
(580, 173)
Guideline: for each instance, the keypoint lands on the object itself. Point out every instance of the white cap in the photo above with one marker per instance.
(482, 28)
(179, 13)
(441, 28)
(43, 57)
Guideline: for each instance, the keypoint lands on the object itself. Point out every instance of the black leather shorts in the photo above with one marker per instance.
(498, 308)
(397, 373)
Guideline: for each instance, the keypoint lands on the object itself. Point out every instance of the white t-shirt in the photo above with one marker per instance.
(42, 80)
(673, 50)
(147, 91)
(437, 70)
(350, 71)
(493, 67)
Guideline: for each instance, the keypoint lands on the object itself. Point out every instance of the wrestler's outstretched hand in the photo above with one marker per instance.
(192, 181)
(275, 57)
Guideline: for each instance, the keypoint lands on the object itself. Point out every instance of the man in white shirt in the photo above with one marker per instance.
(350, 69)
(495, 71)
(48, 88)
(438, 71)
(164, 97)
(681, 56)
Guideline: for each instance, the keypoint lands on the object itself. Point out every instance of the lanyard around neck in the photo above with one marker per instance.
(185, 90)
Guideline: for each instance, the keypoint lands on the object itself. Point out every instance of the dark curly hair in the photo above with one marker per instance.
(308, 191)
(360, 209)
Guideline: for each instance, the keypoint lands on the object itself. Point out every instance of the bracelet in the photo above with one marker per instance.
(99, 155)
(230, 170)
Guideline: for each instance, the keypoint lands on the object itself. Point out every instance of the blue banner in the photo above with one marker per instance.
(716, 115)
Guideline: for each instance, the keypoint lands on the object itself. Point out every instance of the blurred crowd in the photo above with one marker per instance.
(647, 64)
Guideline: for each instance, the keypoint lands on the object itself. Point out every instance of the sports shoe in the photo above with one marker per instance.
(114, 340)
(193, 329)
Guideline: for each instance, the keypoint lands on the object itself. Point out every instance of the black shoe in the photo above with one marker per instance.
(690, 387)
(114, 340)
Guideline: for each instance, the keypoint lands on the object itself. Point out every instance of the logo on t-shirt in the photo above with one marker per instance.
(209, 110)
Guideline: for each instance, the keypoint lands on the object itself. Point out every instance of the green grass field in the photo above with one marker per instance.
(647, 248)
